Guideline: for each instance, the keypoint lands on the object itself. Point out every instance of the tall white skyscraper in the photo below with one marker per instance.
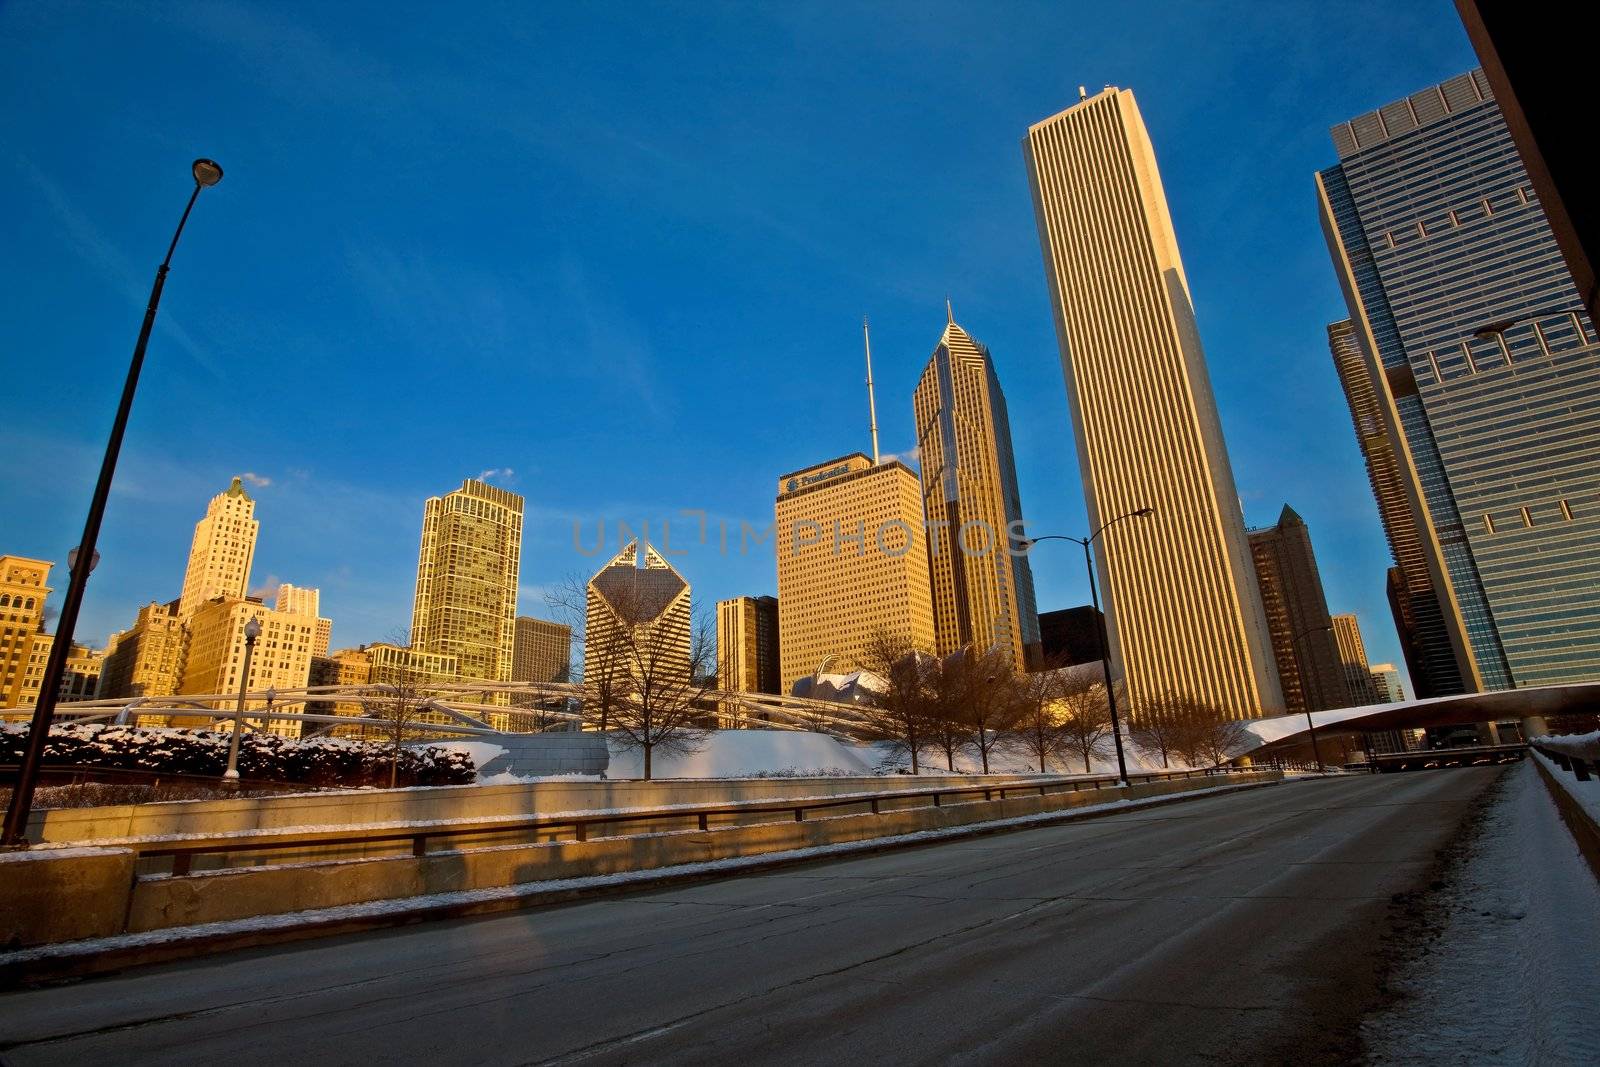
(1182, 606)
(223, 549)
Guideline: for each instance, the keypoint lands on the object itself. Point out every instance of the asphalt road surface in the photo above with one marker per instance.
(1233, 929)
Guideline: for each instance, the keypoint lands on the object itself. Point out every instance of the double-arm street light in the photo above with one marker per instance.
(1100, 622)
(252, 630)
(206, 173)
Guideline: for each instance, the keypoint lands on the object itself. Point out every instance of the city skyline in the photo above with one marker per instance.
(348, 523)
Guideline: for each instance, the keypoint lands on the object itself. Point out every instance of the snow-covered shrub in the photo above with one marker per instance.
(262, 757)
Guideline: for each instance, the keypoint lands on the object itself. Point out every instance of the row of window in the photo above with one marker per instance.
(27, 604)
(1526, 516)
(1454, 218)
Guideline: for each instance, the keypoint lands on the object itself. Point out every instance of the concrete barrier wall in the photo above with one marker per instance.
(159, 903)
(365, 807)
(63, 894)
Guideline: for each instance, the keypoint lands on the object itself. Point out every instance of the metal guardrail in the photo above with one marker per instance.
(580, 824)
(1581, 769)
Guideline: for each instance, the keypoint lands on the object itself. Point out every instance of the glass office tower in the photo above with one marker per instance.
(1487, 373)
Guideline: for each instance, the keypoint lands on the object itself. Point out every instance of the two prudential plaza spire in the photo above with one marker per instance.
(1183, 610)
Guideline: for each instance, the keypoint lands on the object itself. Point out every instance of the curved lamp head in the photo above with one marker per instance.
(207, 172)
(252, 629)
(1145, 513)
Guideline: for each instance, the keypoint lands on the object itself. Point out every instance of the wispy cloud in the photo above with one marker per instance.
(102, 253)
(495, 472)
(258, 480)
(268, 589)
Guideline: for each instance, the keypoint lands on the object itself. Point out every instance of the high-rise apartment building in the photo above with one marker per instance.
(852, 561)
(1486, 373)
(466, 602)
(542, 651)
(981, 583)
(281, 658)
(222, 551)
(1358, 679)
(146, 660)
(747, 645)
(1182, 607)
(1386, 677)
(298, 600)
(23, 644)
(639, 620)
(1297, 614)
(1429, 645)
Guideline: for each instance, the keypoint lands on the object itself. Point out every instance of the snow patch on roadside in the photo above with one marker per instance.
(1510, 975)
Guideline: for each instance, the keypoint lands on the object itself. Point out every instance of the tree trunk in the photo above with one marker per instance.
(983, 749)
(647, 748)
(911, 740)
(394, 766)
(1086, 761)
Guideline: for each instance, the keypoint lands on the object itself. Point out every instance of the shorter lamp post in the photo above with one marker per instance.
(1311, 726)
(1100, 623)
(252, 630)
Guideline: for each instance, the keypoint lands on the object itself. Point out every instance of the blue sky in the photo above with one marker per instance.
(622, 252)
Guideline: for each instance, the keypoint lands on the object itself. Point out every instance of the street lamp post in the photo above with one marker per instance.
(1100, 622)
(13, 834)
(1311, 726)
(252, 630)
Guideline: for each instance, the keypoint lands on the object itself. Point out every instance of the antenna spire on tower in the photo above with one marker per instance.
(949, 315)
(872, 403)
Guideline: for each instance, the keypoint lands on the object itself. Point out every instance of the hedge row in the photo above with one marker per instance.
(262, 757)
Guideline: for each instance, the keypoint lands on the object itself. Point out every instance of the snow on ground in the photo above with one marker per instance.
(749, 753)
(1510, 977)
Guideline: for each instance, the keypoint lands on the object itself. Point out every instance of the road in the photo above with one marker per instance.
(1240, 928)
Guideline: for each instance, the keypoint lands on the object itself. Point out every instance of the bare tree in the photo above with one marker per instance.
(395, 701)
(662, 706)
(601, 664)
(944, 725)
(1038, 726)
(899, 713)
(1086, 719)
(1158, 726)
(979, 697)
(1213, 737)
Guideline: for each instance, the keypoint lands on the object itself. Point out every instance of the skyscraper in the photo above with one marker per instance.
(466, 603)
(638, 620)
(1432, 650)
(852, 561)
(981, 583)
(298, 600)
(23, 642)
(1486, 374)
(1358, 678)
(146, 659)
(222, 551)
(1387, 681)
(215, 656)
(542, 652)
(1182, 607)
(747, 645)
(1297, 614)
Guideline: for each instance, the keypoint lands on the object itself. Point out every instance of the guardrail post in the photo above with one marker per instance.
(1561, 760)
(419, 845)
(181, 862)
(799, 814)
(703, 824)
(936, 800)
(1580, 770)
(580, 831)
(874, 805)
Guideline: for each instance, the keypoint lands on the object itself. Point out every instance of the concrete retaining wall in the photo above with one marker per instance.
(71, 893)
(368, 806)
(158, 903)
